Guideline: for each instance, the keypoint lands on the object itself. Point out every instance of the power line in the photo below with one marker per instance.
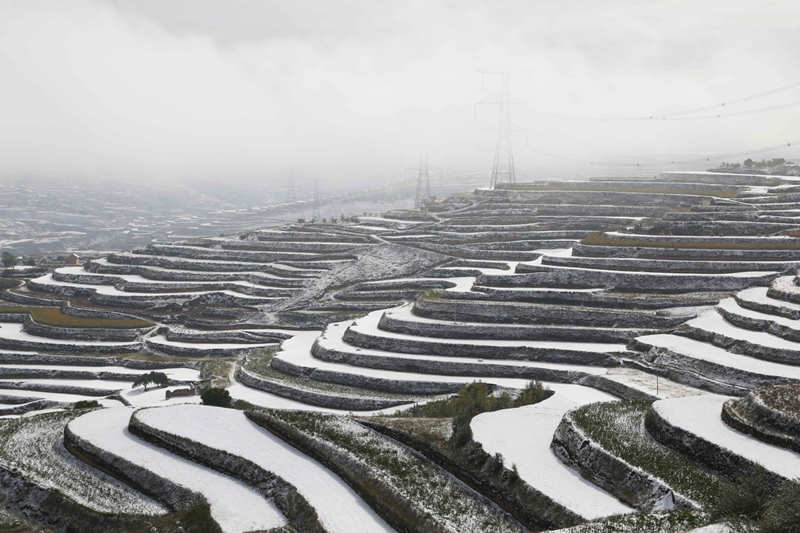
(690, 113)
(503, 167)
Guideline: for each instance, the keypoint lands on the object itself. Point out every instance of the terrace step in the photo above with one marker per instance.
(757, 299)
(512, 312)
(710, 367)
(366, 333)
(529, 275)
(431, 327)
(694, 426)
(667, 265)
(714, 328)
(697, 254)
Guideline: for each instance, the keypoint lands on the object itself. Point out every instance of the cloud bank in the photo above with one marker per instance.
(352, 92)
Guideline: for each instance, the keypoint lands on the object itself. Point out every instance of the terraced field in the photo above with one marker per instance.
(668, 309)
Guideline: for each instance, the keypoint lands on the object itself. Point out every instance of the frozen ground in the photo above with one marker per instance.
(339, 508)
(234, 505)
(713, 354)
(523, 435)
(700, 415)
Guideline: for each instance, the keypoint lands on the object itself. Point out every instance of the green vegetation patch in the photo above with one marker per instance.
(6, 283)
(679, 520)
(417, 481)
(448, 442)
(33, 446)
(53, 316)
(602, 239)
(477, 398)
(619, 428)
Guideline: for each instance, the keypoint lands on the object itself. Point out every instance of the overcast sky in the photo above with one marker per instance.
(354, 91)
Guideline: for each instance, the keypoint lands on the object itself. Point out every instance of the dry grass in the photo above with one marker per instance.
(784, 398)
(53, 316)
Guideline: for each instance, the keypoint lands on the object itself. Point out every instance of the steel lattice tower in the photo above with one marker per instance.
(503, 169)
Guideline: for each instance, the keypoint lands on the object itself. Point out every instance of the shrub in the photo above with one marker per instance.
(477, 398)
(8, 259)
(782, 514)
(755, 501)
(159, 379)
(217, 397)
(86, 404)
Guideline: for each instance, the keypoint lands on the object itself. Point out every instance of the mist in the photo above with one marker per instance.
(350, 93)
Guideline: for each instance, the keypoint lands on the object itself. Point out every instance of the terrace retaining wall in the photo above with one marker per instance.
(706, 375)
(456, 330)
(366, 382)
(531, 313)
(625, 481)
(349, 403)
(300, 513)
(714, 456)
(452, 349)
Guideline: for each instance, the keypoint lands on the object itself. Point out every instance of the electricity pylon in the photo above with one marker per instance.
(503, 168)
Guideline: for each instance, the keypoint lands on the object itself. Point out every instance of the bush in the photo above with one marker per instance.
(477, 398)
(86, 404)
(782, 514)
(8, 259)
(217, 397)
(754, 500)
(159, 379)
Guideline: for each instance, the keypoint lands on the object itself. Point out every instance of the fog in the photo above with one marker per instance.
(352, 92)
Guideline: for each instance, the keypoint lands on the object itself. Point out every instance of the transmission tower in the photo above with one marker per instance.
(423, 181)
(315, 213)
(503, 170)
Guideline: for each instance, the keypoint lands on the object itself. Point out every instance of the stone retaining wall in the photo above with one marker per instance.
(141, 364)
(664, 265)
(751, 415)
(714, 456)
(699, 254)
(730, 344)
(171, 494)
(456, 330)
(87, 333)
(366, 382)
(447, 368)
(452, 349)
(702, 374)
(196, 275)
(300, 513)
(534, 276)
(217, 254)
(388, 502)
(20, 344)
(628, 483)
(310, 397)
(532, 313)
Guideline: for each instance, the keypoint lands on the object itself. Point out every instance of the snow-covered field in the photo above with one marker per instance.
(713, 354)
(339, 508)
(523, 434)
(700, 415)
(234, 505)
